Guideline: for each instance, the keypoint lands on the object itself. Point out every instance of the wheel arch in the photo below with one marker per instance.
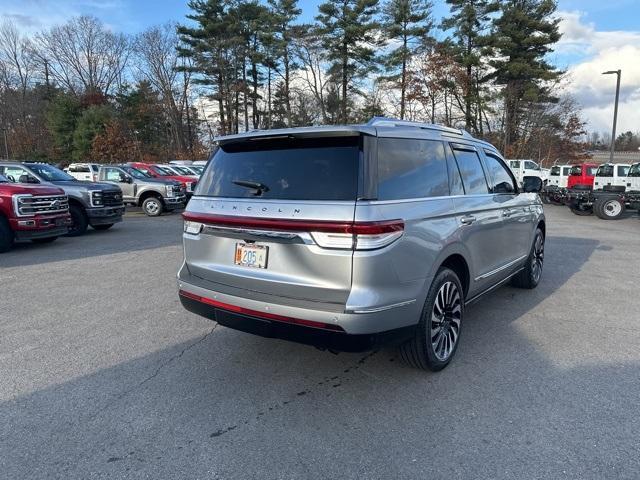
(459, 265)
(150, 193)
(77, 203)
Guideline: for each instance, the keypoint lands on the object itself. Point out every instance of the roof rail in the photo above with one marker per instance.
(394, 122)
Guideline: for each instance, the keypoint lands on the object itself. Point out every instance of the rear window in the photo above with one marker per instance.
(410, 168)
(575, 171)
(285, 169)
(623, 170)
(555, 171)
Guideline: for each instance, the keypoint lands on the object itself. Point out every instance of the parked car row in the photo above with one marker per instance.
(40, 202)
(607, 190)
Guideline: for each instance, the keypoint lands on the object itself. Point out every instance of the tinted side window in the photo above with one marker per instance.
(622, 171)
(409, 168)
(471, 171)
(500, 180)
(112, 174)
(531, 165)
(565, 171)
(455, 180)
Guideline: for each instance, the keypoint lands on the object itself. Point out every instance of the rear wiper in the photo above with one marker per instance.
(260, 188)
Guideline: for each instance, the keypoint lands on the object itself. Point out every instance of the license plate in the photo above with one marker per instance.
(254, 256)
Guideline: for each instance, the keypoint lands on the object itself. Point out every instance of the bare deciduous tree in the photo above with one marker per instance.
(159, 63)
(83, 56)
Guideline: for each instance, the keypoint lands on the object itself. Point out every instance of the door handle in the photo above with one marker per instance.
(507, 213)
(467, 219)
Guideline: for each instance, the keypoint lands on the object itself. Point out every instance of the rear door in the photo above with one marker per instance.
(266, 216)
(480, 216)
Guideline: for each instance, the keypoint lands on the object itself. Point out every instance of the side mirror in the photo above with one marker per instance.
(531, 184)
(28, 179)
(125, 179)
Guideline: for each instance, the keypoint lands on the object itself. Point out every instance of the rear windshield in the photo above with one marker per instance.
(285, 169)
(577, 170)
(555, 171)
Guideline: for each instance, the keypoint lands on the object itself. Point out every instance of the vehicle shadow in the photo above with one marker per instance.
(135, 233)
(232, 405)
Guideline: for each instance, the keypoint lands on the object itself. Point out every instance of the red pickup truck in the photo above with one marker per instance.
(582, 174)
(31, 212)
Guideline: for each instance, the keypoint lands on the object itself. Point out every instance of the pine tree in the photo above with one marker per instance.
(524, 35)
(284, 14)
(406, 23)
(348, 30)
(212, 46)
(470, 22)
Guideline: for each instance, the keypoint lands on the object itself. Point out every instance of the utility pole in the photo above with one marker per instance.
(6, 145)
(615, 111)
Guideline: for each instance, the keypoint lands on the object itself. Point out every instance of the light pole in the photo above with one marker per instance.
(615, 111)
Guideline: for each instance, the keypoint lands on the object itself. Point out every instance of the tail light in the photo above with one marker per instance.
(361, 235)
(326, 234)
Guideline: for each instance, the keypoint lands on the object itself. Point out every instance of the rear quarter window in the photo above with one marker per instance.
(471, 170)
(285, 168)
(410, 168)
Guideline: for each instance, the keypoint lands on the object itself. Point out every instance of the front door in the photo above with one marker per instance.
(118, 177)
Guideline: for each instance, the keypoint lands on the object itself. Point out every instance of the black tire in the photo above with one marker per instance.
(153, 206)
(6, 235)
(106, 226)
(530, 276)
(79, 221)
(437, 325)
(580, 209)
(609, 208)
(614, 188)
(44, 240)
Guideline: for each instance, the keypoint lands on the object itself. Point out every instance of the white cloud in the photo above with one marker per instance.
(33, 15)
(600, 51)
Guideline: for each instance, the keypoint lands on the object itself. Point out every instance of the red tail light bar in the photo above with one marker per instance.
(295, 225)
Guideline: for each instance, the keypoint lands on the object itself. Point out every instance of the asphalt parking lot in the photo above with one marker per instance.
(104, 375)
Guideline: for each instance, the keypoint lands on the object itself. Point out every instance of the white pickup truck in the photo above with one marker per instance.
(526, 168)
(610, 174)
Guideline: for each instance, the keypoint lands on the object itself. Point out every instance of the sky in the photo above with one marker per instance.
(598, 35)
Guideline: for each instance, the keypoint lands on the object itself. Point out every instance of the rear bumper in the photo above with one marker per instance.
(313, 323)
(268, 327)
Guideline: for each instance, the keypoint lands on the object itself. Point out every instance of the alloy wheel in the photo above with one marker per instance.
(538, 258)
(445, 320)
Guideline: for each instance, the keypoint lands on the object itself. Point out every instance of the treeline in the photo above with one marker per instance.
(625, 142)
(80, 91)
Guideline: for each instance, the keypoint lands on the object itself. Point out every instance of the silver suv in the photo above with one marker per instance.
(347, 237)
